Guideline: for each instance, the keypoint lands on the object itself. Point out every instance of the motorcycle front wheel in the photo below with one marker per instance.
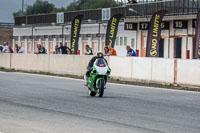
(101, 88)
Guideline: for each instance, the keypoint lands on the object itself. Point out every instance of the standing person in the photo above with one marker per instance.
(21, 50)
(1, 48)
(106, 51)
(88, 50)
(5, 48)
(10, 49)
(41, 49)
(63, 49)
(16, 48)
(130, 51)
(112, 52)
(57, 50)
(68, 50)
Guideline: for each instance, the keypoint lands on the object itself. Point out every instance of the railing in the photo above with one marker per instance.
(141, 9)
(6, 25)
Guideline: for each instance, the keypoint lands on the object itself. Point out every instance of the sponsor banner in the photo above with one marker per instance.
(154, 33)
(112, 29)
(130, 26)
(197, 38)
(75, 32)
(180, 24)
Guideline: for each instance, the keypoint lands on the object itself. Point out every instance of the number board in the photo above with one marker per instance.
(180, 24)
(144, 25)
(130, 26)
(194, 22)
(165, 25)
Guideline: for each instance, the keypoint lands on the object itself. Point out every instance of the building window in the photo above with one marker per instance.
(84, 37)
(125, 41)
(117, 41)
(121, 41)
(94, 37)
(67, 37)
(103, 37)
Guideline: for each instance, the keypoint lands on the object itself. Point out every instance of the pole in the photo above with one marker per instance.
(99, 33)
(32, 47)
(169, 42)
(62, 34)
(22, 7)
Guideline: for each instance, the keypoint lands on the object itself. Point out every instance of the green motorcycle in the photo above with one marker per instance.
(98, 77)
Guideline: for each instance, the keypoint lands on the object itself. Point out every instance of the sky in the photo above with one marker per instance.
(7, 7)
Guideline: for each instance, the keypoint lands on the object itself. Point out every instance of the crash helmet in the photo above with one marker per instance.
(99, 55)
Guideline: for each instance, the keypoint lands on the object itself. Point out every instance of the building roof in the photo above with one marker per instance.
(141, 9)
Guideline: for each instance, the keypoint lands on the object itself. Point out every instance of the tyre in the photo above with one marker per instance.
(91, 93)
(101, 88)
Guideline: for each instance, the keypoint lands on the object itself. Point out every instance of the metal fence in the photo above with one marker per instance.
(141, 9)
(6, 25)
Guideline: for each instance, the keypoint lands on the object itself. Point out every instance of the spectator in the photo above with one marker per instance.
(17, 48)
(57, 50)
(68, 50)
(112, 52)
(130, 51)
(88, 50)
(106, 50)
(5, 47)
(63, 49)
(10, 49)
(1, 48)
(41, 49)
(21, 50)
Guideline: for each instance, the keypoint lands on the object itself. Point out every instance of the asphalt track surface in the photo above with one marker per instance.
(44, 104)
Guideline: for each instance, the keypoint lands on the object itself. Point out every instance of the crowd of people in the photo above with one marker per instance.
(63, 49)
(6, 48)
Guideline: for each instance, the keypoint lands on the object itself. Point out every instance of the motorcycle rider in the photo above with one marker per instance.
(90, 65)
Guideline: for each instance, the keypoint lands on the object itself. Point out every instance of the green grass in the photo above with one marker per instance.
(45, 73)
(2, 68)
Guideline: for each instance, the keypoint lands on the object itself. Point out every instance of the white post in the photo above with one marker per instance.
(25, 45)
(47, 45)
(80, 44)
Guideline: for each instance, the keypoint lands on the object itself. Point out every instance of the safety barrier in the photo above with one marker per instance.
(128, 68)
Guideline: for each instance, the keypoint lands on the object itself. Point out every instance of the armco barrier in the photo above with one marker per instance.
(131, 68)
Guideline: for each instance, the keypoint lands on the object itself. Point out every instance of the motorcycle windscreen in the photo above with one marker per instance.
(101, 62)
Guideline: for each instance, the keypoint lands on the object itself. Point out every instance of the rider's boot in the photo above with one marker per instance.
(86, 80)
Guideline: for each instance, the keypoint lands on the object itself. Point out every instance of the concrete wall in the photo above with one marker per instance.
(128, 68)
(5, 60)
(188, 72)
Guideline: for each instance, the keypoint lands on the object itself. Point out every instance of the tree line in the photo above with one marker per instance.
(43, 6)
